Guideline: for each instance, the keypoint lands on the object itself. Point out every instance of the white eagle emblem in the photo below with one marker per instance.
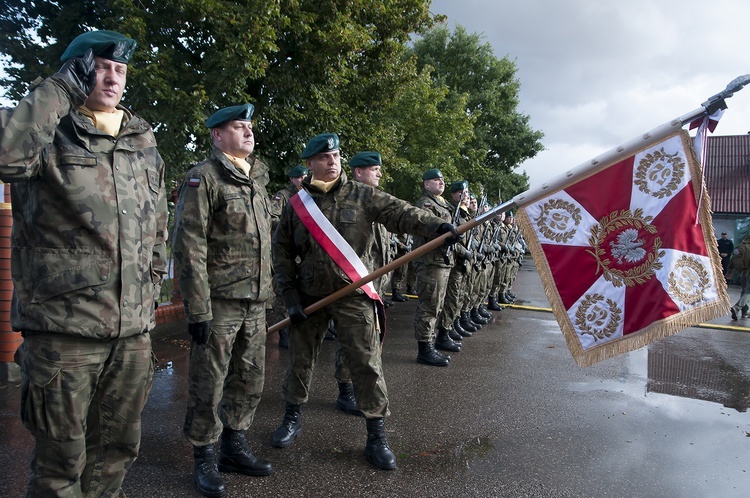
(628, 247)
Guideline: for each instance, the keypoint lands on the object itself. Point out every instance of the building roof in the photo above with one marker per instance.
(727, 172)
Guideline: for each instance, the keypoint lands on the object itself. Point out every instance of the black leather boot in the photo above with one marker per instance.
(396, 296)
(205, 474)
(236, 455)
(445, 343)
(477, 318)
(460, 330)
(466, 322)
(284, 338)
(492, 303)
(377, 451)
(346, 401)
(455, 336)
(504, 299)
(411, 290)
(290, 428)
(484, 312)
(429, 356)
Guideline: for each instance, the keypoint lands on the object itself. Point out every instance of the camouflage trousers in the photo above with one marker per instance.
(455, 296)
(82, 399)
(354, 317)
(226, 375)
(398, 275)
(432, 282)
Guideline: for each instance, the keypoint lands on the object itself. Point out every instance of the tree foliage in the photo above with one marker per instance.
(502, 137)
(308, 66)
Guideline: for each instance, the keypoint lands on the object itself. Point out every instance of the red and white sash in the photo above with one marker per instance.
(331, 240)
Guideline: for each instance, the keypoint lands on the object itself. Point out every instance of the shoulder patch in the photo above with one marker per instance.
(427, 204)
(194, 182)
(277, 198)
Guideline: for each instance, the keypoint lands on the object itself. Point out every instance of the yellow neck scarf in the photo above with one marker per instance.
(107, 122)
(324, 186)
(240, 164)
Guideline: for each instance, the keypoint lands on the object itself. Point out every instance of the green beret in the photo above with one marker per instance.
(431, 174)
(108, 44)
(325, 142)
(473, 196)
(234, 113)
(365, 159)
(459, 185)
(297, 171)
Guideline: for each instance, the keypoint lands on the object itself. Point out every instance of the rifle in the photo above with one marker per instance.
(454, 221)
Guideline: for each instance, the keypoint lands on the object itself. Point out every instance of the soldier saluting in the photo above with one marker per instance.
(88, 257)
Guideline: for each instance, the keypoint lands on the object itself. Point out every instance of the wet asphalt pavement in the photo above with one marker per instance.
(512, 415)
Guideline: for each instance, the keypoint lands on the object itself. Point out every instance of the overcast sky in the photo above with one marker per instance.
(597, 73)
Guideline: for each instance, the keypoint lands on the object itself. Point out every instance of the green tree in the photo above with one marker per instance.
(308, 65)
(502, 136)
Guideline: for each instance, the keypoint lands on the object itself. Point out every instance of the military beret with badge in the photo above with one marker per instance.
(459, 185)
(431, 174)
(243, 112)
(297, 171)
(366, 159)
(324, 142)
(108, 44)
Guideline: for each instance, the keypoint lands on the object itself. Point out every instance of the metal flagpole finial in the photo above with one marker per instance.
(716, 102)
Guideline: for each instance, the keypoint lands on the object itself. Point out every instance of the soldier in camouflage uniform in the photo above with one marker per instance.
(365, 169)
(433, 270)
(222, 250)
(456, 293)
(280, 199)
(351, 207)
(87, 260)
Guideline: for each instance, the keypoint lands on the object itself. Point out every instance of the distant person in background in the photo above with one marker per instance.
(726, 246)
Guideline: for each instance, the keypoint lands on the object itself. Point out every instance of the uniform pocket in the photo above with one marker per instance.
(57, 272)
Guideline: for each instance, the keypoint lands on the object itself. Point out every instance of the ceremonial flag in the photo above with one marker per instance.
(627, 254)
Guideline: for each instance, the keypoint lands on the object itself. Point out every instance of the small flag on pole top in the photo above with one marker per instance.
(627, 254)
(705, 124)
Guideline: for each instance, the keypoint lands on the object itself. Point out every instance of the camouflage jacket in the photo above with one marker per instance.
(280, 200)
(222, 235)
(351, 207)
(441, 209)
(89, 214)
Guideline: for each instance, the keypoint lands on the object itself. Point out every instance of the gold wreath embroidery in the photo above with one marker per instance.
(627, 222)
(659, 168)
(598, 317)
(558, 220)
(688, 280)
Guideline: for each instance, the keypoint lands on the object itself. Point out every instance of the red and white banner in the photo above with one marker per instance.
(628, 255)
(331, 240)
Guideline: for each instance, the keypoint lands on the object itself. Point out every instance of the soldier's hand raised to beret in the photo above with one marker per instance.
(200, 331)
(79, 72)
(296, 314)
(447, 227)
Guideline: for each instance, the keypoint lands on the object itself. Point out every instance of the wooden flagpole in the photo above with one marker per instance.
(557, 183)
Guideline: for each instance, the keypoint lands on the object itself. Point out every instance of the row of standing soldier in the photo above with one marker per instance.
(89, 255)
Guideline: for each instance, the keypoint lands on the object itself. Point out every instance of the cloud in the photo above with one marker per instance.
(596, 74)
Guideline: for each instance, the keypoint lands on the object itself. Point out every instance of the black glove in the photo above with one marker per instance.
(296, 314)
(79, 72)
(200, 331)
(447, 227)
